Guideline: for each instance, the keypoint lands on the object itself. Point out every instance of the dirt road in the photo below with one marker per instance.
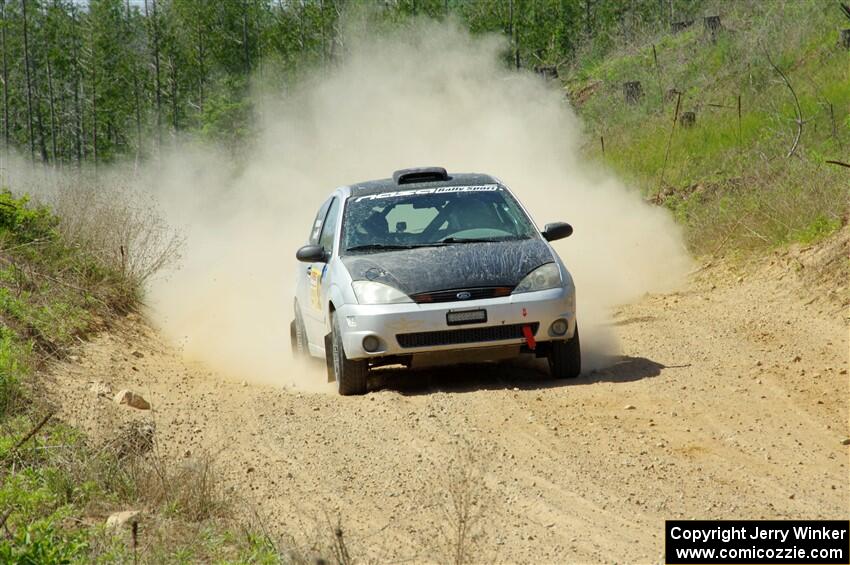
(730, 401)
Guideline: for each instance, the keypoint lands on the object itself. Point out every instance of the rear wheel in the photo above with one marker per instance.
(565, 358)
(298, 337)
(350, 374)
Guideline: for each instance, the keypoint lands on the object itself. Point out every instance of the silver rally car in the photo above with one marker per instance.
(430, 268)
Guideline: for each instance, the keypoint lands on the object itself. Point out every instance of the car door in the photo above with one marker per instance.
(303, 282)
(313, 309)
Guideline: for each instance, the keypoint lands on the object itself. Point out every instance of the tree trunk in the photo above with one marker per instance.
(513, 32)
(712, 26)
(52, 106)
(174, 113)
(39, 122)
(322, 29)
(157, 84)
(546, 71)
(843, 38)
(5, 80)
(202, 73)
(136, 100)
(94, 104)
(511, 20)
(78, 110)
(632, 92)
(677, 27)
(29, 80)
(246, 48)
(688, 119)
(671, 94)
(301, 42)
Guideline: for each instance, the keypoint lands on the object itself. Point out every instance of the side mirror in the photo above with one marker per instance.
(557, 230)
(311, 254)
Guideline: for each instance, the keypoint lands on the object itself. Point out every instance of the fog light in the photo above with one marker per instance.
(371, 343)
(559, 327)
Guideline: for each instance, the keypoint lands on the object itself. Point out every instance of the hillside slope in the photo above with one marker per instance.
(739, 176)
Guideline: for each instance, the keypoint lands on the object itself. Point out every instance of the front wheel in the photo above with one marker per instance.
(565, 358)
(350, 375)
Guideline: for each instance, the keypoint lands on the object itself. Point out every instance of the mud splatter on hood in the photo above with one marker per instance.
(463, 265)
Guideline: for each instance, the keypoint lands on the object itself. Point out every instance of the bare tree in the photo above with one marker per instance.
(202, 72)
(5, 79)
(50, 98)
(246, 48)
(172, 63)
(157, 84)
(94, 99)
(28, 79)
(79, 146)
(136, 99)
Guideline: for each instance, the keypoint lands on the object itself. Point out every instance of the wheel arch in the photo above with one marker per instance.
(335, 300)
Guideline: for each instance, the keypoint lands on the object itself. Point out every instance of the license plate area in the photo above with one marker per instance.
(458, 317)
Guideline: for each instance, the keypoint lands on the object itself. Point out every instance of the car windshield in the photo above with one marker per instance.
(432, 217)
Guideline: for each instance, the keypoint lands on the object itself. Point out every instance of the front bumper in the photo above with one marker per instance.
(387, 321)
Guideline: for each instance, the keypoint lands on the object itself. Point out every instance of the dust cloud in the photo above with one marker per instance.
(428, 95)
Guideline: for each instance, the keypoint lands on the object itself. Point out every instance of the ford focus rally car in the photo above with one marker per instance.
(431, 268)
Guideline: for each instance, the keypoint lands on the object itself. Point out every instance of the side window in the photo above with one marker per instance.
(326, 240)
(317, 223)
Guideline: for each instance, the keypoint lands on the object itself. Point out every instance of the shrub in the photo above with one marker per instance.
(23, 223)
(14, 366)
(117, 228)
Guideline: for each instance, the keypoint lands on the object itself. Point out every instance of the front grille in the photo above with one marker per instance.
(469, 335)
(451, 295)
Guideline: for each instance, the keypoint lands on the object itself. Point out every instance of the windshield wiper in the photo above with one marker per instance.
(393, 247)
(478, 239)
(379, 247)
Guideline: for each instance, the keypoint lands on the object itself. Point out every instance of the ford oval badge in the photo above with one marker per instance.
(464, 295)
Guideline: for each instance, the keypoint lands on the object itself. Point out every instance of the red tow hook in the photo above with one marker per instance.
(529, 337)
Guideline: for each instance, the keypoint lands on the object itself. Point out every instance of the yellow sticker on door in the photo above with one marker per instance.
(315, 286)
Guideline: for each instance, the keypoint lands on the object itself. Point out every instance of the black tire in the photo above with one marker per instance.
(350, 375)
(565, 358)
(298, 337)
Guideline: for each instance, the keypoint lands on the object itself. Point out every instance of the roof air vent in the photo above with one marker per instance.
(422, 174)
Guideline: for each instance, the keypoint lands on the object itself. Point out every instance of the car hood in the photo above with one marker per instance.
(456, 266)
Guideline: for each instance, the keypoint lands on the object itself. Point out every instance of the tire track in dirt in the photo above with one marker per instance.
(730, 400)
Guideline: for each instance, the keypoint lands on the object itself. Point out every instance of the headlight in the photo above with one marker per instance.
(368, 292)
(541, 278)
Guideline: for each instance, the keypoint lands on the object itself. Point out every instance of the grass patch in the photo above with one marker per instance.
(731, 180)
(61, 279)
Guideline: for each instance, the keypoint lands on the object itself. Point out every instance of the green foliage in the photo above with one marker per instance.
(818, 229)
(43, 309)
(14, 367)
(44, 542)
(111, 78)
(731, 181)
(55, 323)
(23, 223)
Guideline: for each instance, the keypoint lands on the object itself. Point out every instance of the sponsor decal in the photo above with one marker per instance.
(316, 276)
(425, 191)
